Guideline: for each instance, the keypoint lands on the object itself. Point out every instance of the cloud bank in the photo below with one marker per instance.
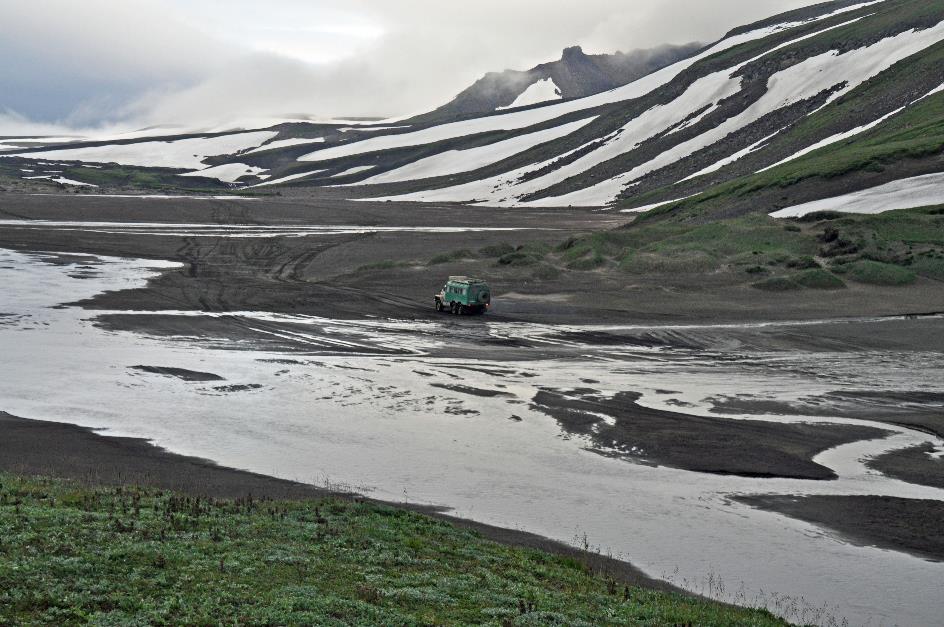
(137, 63)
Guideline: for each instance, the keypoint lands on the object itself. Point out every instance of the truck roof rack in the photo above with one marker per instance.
(465, 279)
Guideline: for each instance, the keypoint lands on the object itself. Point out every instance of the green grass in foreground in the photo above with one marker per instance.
(70, 554)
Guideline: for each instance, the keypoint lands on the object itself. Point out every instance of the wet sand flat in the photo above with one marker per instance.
(49, 449)
(913, 526)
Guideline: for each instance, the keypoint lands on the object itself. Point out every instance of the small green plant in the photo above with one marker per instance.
(819, 279)
(588, 262)
(802, 263)
(877, 273)
(496, 250)
(546, 272)
(519, 258)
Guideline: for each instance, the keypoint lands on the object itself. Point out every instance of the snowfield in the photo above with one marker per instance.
(285, 143)
(458, 161)
(522, 119)
(919, 191)
(179, 154)
(354, 170)
(286, 179)
(543, 90)
(228, 172)
(839, 73)
(61, 180)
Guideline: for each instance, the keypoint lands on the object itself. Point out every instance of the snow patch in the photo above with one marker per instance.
(228, 172)
(58, 179)
(645, 208)
(919, 191)
(181, 154)
(851, 133)
(543, 90)
(467, 160)
(354, 170)
(284, 143)
(369, 129)
(735, 157)
(286, 179)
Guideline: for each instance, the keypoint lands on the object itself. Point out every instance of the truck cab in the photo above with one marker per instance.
(464, 295)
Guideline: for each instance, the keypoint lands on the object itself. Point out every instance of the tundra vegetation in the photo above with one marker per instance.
(827, 250)
(71, 553)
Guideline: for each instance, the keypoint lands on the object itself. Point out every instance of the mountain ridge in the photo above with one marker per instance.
(815, 102)
(575, 75)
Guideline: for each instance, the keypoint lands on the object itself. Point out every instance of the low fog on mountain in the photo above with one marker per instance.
(135, 63)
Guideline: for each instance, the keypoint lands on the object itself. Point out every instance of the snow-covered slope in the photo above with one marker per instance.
(180, 153)
(468, 159)
(773, 97)
(539, 91)
(910, 193)
(687, 125)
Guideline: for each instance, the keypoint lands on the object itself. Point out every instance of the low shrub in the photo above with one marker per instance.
(496, 250)
(546, 272)
(930, 265)
(590, 262)
(818, 279)
(802, 263)
(682, 262)
(519, 258)
(877, 273)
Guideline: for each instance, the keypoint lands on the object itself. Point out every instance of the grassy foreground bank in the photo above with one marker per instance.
(72, 554)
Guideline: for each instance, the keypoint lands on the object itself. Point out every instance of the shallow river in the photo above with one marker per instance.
(361, 405)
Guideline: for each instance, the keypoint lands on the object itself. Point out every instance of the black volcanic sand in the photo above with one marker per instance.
(907, 525)
(329, 275)
(472, 391)
(923, 411)
(913, 465)
(714, 445)
(49, 449)
(179, 373)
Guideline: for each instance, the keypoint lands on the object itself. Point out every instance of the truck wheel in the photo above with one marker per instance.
(453, 308)
(462, 310)
(439, 306)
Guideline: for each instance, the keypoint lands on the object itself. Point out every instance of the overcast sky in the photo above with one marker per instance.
(93, 63)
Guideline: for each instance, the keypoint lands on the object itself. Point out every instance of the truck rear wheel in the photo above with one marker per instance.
(462, 310)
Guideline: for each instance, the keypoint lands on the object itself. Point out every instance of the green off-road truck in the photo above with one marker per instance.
(463, 295)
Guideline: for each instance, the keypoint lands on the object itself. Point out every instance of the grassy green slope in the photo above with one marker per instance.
(822, 251)
(132, 556)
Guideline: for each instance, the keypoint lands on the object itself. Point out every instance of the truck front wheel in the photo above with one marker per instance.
(439, 306)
